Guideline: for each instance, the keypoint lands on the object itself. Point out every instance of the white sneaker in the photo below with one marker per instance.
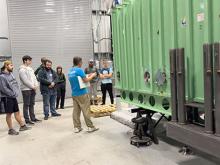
(92, 129)
(77, 130)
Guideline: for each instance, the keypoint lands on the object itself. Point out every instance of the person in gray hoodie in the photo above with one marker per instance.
(29, 85)
(9, 91)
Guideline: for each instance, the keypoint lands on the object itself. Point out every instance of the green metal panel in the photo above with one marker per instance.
(137, 44)
(125, 74)
(115, 48)
(200, 36)
(143, 36)
(116, 41)
(129, 45)
(145, 87)
(215, 22)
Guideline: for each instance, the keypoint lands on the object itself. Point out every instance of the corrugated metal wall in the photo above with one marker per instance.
(5, 49)
(58, 30)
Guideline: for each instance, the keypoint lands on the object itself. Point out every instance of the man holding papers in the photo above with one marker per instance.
(81, 99)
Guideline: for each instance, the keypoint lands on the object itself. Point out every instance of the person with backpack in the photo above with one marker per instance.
(106, 82)
(93, 83)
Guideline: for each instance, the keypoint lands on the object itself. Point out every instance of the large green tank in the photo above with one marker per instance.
(143, 33)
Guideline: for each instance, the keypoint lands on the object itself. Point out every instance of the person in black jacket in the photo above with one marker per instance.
(43, 59)
(48, 80)
(61, 87)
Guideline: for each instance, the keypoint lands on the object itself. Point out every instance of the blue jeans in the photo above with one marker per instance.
(49, 104)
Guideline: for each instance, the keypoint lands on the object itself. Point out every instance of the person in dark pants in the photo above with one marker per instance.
(43, 60)
(9, 90)
(61, 88)
(106, 84)
(29, 85)
(48, 80)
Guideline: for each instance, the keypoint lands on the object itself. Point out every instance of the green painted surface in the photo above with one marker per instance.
(143, 33)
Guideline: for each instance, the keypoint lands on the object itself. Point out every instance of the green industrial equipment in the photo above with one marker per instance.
(145, 32)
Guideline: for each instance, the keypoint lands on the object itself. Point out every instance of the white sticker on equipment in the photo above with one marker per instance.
(200, 17)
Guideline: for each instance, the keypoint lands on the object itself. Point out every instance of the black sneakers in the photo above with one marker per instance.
(46, 118)
(56, 115)
(36, 121)
(24, 128)
(12, 132)
(29, 122)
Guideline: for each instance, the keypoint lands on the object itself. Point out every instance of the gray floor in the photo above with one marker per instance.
(53, 142)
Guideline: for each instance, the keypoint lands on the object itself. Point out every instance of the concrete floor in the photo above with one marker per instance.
(53, 142)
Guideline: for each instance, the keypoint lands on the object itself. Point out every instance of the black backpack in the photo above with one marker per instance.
(2, 106)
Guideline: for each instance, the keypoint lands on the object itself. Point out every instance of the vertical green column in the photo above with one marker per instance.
(114, 42)
(137, 56)
(119, 46)
(116, 46)
(168, 16)
(156, 40)
(215, 21)
(130, 43)
(124, 44)
(201, 35)
(184, 40)
(146, 66)
(124, 56)
(121, 41)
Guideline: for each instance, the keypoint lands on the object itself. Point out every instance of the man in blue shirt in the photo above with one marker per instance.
(81, 99)
(106, 85)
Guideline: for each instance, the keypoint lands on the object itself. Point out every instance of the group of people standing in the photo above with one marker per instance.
(105, 74)
(52, 88)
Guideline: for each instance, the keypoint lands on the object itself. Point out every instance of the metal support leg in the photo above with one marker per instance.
(208, 88)
(180, 65)
(217, 88)
(173, 84)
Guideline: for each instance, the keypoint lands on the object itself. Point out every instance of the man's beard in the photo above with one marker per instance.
(48, 68)
(10, 70)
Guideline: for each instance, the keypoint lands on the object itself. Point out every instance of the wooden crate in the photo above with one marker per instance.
(102, 110)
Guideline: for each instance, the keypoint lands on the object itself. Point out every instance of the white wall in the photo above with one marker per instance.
(55, 29)
(4, 44)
